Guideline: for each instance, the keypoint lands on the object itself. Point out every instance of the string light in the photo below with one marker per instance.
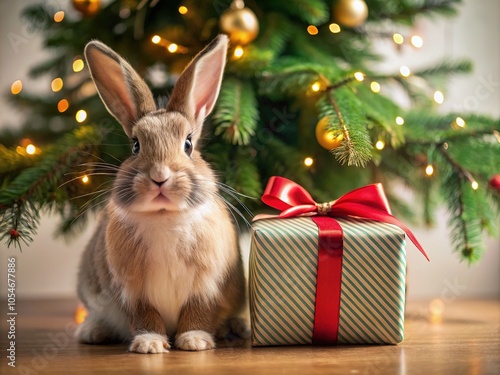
(438, 97)
(400, 120)
(57, 84)
(312, 30)
(375, 87)
(30, 149)
(63, 105)
(172, 47)
(183, 9)
(316, 86)
(405, 71)
(81, 115)
(16, 87)
(359, 76)
(416, 41)
(78, 65)
(474, 185)
(460, 122)
(380, 144)
(85, 179)
(398, 38)
(58, 16)
(429, 170)
(334, 28)
(238, 52)
(308, 161)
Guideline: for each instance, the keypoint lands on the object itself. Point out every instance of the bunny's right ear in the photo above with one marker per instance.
(125, 95)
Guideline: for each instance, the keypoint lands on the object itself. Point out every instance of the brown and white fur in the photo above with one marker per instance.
(164, 262)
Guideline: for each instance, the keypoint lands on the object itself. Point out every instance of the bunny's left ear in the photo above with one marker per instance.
(197, 89)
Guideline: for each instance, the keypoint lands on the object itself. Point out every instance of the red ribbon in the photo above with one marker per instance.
(368, 202)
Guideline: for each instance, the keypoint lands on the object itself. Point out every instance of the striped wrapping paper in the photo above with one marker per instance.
(283, 269)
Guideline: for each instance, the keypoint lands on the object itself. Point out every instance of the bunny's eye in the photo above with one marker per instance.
(136, 147)
(188, 146)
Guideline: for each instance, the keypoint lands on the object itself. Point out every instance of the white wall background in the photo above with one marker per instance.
(48, 267)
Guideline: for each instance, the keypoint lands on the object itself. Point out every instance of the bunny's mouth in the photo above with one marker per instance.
(162, 199)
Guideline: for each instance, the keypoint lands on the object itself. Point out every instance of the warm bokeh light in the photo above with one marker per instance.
(400, 120)
(238, 52)
(334, 28)
(398, 38)
(417, 41)
(173, 48)
(436, 309)
(460, 122)
(183, 9)
(375, 87)
(429, 170)
(63, 105)
(380, 145)
(80, 314)
(78, 65)
(30, 149)
(58, 16)
(316, 86)
(311, 29)
(438, 97)
(359, 76)
(81, 115)
(156, 39)
(57, 84)
(405, 71)
(308, 161)
(16, 87)
(475, 185)
(85, 179)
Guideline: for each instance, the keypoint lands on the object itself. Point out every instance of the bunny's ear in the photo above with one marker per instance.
(125, 95)
(197, 89)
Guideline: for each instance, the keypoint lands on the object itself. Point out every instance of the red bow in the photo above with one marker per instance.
(368, 202)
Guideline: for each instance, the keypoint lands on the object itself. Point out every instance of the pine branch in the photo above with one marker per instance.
(14, 160)
(382, 112)
(467, 206)
(311, 11)
(279, 158)
(445, 68)
(37, 187)
(252, 63)
(345, 106)
(236, 113)
(275, 33)
(407, 11)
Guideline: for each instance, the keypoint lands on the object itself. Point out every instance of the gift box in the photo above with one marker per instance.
(331, 273)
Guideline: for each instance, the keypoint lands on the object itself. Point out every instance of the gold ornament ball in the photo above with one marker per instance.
(350, 13)
(87, 7)
(326, 138)
(241, 25)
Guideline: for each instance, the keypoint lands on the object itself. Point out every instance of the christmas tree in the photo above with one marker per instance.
(299, 99)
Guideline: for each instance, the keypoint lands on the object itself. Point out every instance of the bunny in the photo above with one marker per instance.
(164, 262)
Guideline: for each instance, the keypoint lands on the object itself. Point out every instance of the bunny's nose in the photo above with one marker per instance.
(159, 175)
(159, 183)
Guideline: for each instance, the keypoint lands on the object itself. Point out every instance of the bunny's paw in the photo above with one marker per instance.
(195, 340)
(150, 343)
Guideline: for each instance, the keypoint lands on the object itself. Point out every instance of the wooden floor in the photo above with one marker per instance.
(466, 342)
